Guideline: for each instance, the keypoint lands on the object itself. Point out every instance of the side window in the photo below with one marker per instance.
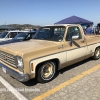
(73, 31)
(12, 34)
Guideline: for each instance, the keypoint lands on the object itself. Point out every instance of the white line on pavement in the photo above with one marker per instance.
(16, 93)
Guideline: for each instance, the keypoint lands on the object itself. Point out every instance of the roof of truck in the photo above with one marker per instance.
(63, 25)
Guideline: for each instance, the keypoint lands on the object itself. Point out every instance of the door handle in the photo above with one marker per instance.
(83, 41)
(60, 47)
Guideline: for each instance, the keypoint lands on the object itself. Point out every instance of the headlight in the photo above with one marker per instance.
(20, 63)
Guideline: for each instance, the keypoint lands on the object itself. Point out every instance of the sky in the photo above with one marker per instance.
(46, 12)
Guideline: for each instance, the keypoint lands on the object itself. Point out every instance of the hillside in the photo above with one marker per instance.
(25, 26)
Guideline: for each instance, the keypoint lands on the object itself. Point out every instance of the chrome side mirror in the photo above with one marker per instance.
(75, 37)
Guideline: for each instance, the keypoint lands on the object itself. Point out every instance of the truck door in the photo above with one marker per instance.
(76, 51)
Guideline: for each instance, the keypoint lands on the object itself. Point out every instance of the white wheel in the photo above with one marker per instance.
(97, 53)
(46, 72)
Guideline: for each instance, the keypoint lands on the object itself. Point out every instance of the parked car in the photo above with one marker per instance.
(23, 36)
(7, 35)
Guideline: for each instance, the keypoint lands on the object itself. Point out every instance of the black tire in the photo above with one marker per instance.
(96, 54)
(46, 72)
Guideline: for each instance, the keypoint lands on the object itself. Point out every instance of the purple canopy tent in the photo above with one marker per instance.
(74, 20)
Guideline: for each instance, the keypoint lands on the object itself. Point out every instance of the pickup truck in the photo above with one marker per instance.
(53, 48)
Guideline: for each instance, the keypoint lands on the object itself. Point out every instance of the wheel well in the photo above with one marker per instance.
(95, 50)
(54, 60)
(97, 47)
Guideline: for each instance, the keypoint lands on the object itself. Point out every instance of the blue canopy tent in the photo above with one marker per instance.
(75, 20)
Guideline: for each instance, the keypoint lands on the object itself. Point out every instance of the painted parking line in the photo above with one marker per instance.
(16, 93)
(57, 88)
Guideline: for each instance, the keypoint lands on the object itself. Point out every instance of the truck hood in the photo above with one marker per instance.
(27, 46)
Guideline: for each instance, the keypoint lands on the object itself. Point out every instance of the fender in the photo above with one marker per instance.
(60, 56)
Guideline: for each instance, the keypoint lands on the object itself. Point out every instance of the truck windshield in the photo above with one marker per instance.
(3, 34)
(51, 33)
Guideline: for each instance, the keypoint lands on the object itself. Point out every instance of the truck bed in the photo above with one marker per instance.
(91, 39)
(92, 36)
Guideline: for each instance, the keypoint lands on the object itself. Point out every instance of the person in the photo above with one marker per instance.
(98, 28)
(88, 30)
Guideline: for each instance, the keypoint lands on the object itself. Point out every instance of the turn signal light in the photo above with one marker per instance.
(32, 67)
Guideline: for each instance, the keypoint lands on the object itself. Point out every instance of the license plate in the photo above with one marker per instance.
(4, 69)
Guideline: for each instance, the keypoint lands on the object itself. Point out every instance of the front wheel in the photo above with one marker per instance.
(96, 54)
(46, 72)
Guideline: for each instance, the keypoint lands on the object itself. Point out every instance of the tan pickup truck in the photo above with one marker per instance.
(53, 47)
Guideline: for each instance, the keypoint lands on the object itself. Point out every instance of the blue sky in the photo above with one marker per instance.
(43, 12)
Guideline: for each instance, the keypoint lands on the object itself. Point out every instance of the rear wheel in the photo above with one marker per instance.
(46, 72)
(97, 53)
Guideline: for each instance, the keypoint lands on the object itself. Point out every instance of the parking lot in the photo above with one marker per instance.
(77, 82)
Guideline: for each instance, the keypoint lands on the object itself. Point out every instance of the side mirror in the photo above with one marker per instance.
(75, 37)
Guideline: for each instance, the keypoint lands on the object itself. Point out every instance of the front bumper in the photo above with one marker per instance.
(16, 75)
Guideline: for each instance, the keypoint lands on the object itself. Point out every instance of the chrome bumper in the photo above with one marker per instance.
(16, 75)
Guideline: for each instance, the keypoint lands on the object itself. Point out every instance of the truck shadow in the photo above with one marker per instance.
(33, 82)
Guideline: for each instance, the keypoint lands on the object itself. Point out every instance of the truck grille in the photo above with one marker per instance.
(7, 58)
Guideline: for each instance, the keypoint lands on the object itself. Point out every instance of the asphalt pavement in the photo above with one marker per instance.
(77, 82)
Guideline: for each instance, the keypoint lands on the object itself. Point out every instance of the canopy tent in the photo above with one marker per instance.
(74, 20)
(6, 27)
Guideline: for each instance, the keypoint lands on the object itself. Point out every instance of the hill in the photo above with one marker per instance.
(25, 26)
